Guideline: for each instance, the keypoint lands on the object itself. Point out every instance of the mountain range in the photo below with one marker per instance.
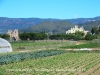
(83, 20)
(48, 25)
(19, 23)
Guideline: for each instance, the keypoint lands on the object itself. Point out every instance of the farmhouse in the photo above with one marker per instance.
(13, 34)
(76, 28)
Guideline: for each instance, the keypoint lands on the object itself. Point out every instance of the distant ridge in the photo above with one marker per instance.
(19, 23)
(90, 25)
(83, 20)
(22, 23)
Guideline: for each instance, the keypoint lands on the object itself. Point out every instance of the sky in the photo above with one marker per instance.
(57, 9)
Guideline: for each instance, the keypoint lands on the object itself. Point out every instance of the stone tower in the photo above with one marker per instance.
(13, 34)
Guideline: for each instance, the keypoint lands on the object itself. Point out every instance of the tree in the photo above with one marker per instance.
(90, 37)
(24, 36)
(33, 36)
(99, 29)
(5, 36)
(0, 35)
(95, 30)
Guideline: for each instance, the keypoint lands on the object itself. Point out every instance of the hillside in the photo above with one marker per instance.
(90, 25)
(50, 27)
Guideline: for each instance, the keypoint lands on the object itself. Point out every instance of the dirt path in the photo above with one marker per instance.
(25, 51)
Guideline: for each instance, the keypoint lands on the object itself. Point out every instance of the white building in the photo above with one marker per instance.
(76, 28)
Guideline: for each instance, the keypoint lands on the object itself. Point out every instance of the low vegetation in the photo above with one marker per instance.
(40, 45)
(87, 45)
(30, 55)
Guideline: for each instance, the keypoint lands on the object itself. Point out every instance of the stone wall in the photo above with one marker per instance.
(13, 34)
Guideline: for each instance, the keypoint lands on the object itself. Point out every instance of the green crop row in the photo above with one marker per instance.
(63, 64)
(83, 51)
(29, 55)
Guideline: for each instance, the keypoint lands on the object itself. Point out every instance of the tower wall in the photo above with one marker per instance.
(13, 34)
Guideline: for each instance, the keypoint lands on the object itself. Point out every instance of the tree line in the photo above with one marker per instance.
(5, 36)
(94, 34)
(32, 36)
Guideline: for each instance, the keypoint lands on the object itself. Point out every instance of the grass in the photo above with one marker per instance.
(69, 63)
(87, 45)
(31, 46)
(39, 45)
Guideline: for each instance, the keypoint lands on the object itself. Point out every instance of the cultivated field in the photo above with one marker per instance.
(68, 63)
